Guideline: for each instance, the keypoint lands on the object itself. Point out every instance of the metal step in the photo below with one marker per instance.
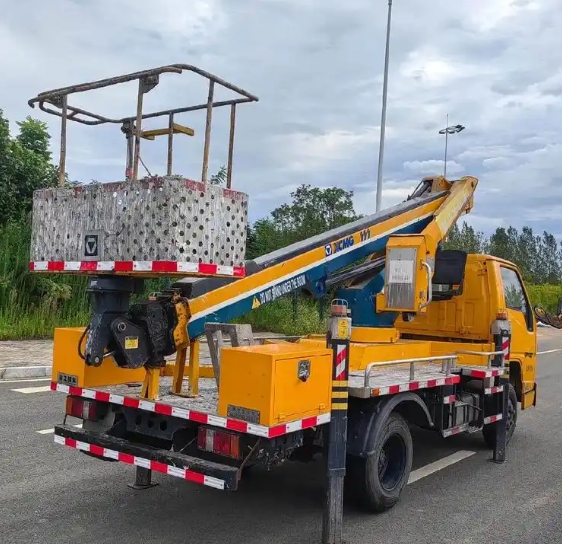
(459, 429)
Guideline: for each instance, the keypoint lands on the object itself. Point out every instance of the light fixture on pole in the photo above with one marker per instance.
(453, 129)
(383, 113)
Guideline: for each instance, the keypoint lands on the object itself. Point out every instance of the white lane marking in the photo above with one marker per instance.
(26, 380)
(549, 351)
(440, 464)
(50, 431)
(27, 390)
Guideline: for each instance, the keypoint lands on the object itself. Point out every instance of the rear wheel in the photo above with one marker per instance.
(376, 483)
(489, 431)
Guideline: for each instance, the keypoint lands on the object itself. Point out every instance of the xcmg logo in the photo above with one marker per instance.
(339, 245)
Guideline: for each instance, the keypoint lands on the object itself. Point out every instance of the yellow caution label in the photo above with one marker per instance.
(343, 328)
(255, 303)
(131, 342)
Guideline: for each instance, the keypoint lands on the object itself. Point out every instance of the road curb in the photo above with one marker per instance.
(17, 372)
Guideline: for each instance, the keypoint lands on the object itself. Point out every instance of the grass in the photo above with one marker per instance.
(287, 316)
(32, 305)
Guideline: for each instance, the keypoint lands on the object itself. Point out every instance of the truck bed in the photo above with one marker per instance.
(386, 380)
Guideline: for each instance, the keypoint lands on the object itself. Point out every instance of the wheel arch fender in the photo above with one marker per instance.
(365, 423)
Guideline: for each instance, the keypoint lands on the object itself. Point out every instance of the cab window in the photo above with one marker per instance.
(514, 294)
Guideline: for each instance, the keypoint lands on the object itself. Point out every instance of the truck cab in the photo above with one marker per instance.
(489, 286)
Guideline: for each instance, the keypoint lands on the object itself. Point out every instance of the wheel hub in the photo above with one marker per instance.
(510, 417)
(392, 462)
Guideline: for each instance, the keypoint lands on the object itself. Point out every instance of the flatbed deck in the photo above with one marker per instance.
(383, 380)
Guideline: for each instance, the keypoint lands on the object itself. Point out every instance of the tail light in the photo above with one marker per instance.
(81, 408)
(219, 442)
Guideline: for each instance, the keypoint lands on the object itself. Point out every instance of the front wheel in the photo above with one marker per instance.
(377, 482)
(489, 431)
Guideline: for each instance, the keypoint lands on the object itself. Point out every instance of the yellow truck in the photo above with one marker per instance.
(417, 335)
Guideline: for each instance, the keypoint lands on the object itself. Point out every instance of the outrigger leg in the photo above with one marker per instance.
(339, 331)
(143, 475)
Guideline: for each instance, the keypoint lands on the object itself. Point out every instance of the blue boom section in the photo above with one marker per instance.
(361, 301)
(313, 278)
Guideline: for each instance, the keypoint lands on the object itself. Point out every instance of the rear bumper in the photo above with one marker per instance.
(167, 462)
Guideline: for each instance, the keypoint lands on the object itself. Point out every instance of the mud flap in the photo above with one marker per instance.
(529, 398)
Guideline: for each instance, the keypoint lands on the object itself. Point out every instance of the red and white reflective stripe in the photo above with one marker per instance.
(413, 386)
(157, 267)
(341, 358)
(505, 347)
(492, 419)
(199, 417)
(493, 390)
(455, 430)
(129, 459)
(449, 399)
(482, 373)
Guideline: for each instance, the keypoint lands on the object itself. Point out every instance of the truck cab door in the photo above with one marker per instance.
(523, 336)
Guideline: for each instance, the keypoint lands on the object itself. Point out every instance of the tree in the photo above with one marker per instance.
(25, 165)
(219, 178)
(465, 238)
(528, 257)
(503, 244)
(311, 211)
(549, 256)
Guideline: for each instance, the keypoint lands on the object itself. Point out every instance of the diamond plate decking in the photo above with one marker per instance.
(391, 380)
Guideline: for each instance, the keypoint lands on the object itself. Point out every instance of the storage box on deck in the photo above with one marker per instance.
(70, 369)
(155, 219)
(274, 383)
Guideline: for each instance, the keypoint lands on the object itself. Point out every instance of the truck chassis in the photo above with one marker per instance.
(166, 435)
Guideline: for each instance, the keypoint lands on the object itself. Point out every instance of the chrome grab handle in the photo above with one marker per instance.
(429, 285)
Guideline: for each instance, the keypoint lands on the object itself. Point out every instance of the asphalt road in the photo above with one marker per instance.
(50, 494)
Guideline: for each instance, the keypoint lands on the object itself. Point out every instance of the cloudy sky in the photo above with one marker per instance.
(316, 66)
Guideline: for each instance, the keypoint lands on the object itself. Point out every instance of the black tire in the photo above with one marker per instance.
(489, 431)
(376, 483)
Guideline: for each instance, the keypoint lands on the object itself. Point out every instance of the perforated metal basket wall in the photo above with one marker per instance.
(156, 219)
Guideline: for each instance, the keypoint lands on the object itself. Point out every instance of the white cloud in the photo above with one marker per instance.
(317, 69)
(433, 167)
(304, 151)
(496, 162)
(483, 224)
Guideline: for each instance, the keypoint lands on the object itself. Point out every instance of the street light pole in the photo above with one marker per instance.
(446, 146)
(453, 129)
(383, 113)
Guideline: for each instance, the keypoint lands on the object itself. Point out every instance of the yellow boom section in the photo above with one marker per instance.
(410, 258)
(459, 201)
(425, 217)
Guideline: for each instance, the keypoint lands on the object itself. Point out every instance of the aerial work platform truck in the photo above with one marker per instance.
(417, 335)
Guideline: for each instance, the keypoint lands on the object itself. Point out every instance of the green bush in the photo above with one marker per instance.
(545, 295)
(32, 305)
(286, 316)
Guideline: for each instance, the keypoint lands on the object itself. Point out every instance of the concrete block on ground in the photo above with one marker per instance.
(22, 372)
